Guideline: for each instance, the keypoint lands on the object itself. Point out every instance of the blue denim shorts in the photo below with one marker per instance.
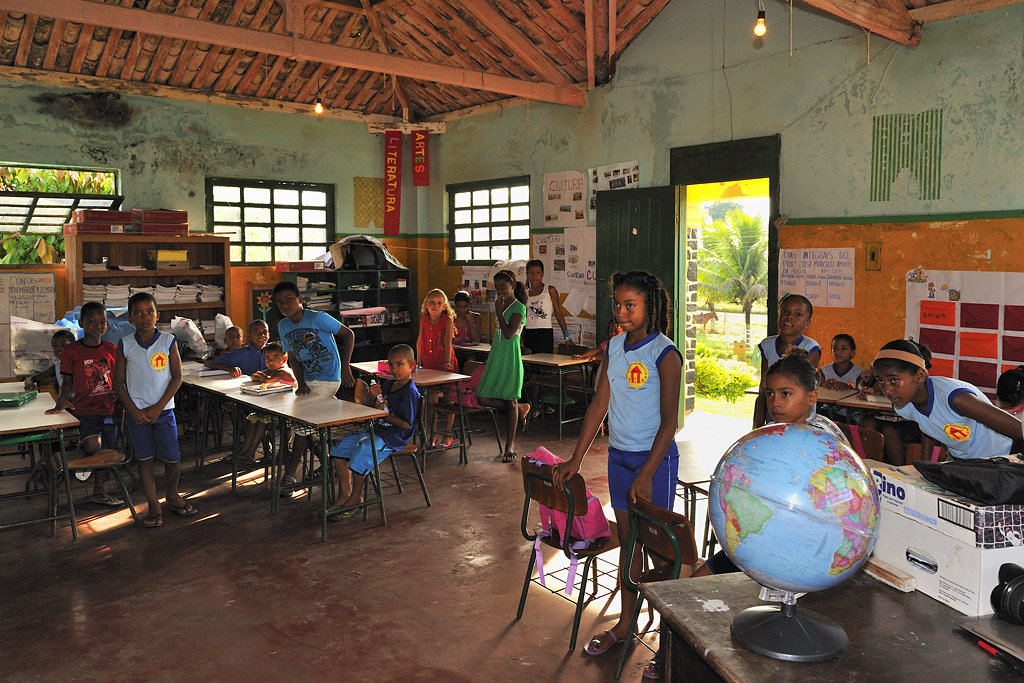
(623, 466)
(98, 424)
(159, 439)
(357, 450)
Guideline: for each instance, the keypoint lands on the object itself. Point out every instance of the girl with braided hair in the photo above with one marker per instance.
(639, 392)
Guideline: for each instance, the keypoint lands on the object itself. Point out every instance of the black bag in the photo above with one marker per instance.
(991, 481)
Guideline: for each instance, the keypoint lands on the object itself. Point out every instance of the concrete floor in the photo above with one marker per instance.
(236, 594)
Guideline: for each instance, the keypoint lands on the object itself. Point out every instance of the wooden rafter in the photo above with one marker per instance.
(890, 23)
(957, 8)
(384, 47)
(148, 22)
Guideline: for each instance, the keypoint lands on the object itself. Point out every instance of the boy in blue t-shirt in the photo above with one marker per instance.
(147, 372)
(249, 358)
(308, 337)
(390, 433)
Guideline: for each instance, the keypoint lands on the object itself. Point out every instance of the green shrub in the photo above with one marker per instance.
(704, 351)
(716, 378)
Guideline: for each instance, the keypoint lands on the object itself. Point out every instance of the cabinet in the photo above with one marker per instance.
(208, 264)
(334, 291)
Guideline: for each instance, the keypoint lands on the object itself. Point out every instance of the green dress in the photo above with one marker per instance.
(503, 375)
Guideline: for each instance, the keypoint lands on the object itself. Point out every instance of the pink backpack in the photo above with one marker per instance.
(468, 390)
(586, 529)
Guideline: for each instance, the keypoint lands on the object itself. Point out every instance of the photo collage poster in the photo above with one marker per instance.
(563, 200)
(618, 176)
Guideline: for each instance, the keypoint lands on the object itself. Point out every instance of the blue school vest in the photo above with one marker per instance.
(148, 368)
(634, 414)
(770, 352)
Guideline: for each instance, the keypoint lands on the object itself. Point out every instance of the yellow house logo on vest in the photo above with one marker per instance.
(636, 374)
(958, 432)
(158, 361)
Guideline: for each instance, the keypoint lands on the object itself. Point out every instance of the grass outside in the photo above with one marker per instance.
(743, 407)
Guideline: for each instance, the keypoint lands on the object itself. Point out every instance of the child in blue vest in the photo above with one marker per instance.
(795, 312)
(956, 414)
(146, 375)
(639, 392)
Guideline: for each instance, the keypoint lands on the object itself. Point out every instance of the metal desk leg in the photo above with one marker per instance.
(376, 477)
(561, 404)
(463, 453)
(67, 485)
(197, 400)
(325, 444)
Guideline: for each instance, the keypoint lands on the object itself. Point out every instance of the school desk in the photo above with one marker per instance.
(560, 365)
(893, 636)
(29, 423)
(478, 351)
(427, 377)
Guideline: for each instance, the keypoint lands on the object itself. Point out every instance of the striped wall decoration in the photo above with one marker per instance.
(911, 141)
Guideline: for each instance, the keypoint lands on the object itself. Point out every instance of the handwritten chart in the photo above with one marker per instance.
(824, 276)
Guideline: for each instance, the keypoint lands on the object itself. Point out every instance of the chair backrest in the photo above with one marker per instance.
(663, 532)
(868, 443)
(914, 453)
(539, 486)
(362, 394)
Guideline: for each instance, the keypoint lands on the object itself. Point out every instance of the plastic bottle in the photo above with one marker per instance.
(382, 401)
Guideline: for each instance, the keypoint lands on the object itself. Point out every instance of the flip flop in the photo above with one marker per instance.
(341, 516)
(186, 511)
(106, 499)
(508, 457)
(153, 521)
(652, 671)
(593, 648)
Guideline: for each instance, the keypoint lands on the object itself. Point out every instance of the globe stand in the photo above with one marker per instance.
(784, 633)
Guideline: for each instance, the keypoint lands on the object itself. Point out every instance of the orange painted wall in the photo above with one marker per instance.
(880, 296)
(241, 276)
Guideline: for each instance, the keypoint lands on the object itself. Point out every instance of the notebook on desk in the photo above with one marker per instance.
(16, 399)
(262, 389)
(1008, 638)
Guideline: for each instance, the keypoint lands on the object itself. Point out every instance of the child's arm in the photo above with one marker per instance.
(969, 405)
(153, 411)
(280, 375)
(32, 381)
(474, 326)
(64, 399)
(815, 357)
(670, 373)
(588, 354)
(447, 337)
(225, 364)
(121, 387)
(346, 342)
(553, 293)
(591, 423)
(508, 327)
(295, 363)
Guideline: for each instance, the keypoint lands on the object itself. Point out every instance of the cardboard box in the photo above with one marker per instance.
(292, 266)
(97, 228)
(180, 229)
(159, 216)
(951, 545)
(101, 216)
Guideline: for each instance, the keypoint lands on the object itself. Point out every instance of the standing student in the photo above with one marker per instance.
(542, 306)
(467, 321)
(639, 391)
(435, 351)
(502, 380)
(956, 414)
(88, 369)
(146, 375)
(320, 369)
(795, 313)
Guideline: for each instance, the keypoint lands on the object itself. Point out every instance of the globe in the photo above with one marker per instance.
(797, 511)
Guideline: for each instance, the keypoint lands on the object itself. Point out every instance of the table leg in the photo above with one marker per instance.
(325, 444)
(376, 476)
(197, 399)
(463, 454)
(67, 485)
(561, 404)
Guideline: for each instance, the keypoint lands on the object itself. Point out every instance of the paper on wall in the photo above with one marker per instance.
(611, 177)
(563, 200)
(824, 276)
(574, 301)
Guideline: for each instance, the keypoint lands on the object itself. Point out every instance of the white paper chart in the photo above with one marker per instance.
(824, 276)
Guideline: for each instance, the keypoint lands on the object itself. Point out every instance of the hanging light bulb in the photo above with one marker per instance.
(319, 106)
(759, 28)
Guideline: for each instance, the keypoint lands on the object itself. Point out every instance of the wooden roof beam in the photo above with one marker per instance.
(384, 47)
(957, 8)
(144, 21)
(521, 47)
(897, 26)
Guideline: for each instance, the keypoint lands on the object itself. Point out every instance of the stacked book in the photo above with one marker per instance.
(143, 289)
(117, 296)
(102, 265)
(165, 295)
(319, 302)
(94, 293)
(211, 293)
(187, 294)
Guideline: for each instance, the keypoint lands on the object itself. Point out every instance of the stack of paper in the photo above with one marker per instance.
(117, 296)
(187, 294)
(140, 289)
(131, 267)
(319, 302)
(102, 265)
(211, 293)
(165, 295)
(94, 293)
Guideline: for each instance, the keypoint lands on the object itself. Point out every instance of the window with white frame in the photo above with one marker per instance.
(270, 221)
(489, 221)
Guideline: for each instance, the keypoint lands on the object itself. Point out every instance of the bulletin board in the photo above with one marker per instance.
(570, 265)
(972, 322)
(25, 295)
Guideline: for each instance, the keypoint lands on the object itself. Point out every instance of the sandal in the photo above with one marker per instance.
(153, 521)
(186, 511)
(652, 671)
(447, 443)
(106, 499)
(508, 457)
(288, 480)
(341, 516)
(595, 648)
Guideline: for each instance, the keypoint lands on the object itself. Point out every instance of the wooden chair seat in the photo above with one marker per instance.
(105, 458)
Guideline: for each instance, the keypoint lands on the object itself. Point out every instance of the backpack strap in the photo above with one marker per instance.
(936, 450)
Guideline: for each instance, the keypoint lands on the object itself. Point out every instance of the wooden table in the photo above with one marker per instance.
(427, 377)
(559, 364)
(479, 351)
(893, 636)
(30, 423)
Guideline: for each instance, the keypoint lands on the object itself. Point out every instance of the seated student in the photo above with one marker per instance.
(58, 341)
(467, 322)
(391, 433)
(842, 372)
(1010, 391)
(795, 312)
(277, 371)
(791, 392)
(88, 367)
(955, 414)
(232, 342)
(600, 353)
(249, 358)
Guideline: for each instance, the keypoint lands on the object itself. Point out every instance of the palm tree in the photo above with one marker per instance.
(732, 264)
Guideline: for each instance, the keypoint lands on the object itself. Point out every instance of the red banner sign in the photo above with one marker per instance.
(392, 181)
(420, 160)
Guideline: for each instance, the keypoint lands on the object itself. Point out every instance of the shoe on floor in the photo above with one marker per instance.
(594, 647)
(550, 410)
(106, 499)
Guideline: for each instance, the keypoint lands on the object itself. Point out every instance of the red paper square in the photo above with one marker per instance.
(983, 316)
(938, 313)
(938, 341)
(1013, 348)
(979, 344)
(1013, 318)
(978, 373)
(943, 367)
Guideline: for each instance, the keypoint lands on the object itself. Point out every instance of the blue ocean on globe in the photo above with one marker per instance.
(794, 508)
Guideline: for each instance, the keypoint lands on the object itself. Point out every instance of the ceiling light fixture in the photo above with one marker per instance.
(318, 107)
(759, 28)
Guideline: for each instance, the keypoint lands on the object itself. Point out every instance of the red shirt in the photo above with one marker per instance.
(91, 371)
